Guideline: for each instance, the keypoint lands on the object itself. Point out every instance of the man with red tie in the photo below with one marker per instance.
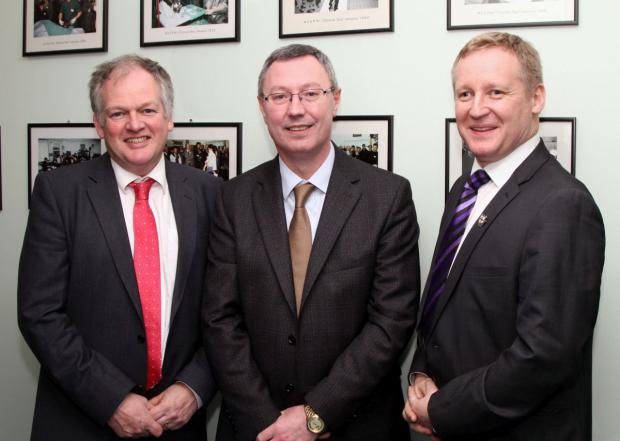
(111, 275)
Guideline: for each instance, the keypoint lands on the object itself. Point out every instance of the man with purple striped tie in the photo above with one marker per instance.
(505, 327)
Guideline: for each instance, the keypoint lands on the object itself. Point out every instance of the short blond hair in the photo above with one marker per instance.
(528, 57)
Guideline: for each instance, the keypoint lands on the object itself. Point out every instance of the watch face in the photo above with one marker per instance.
(315, 425)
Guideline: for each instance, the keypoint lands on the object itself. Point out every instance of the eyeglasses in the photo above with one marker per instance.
(308, 95)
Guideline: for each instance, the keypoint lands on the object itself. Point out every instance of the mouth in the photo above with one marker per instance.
(482, 129)
(136, 140)
(298, 128)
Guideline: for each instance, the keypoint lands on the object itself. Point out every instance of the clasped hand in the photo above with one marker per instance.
(137, 417)
(416, 406)
(290, 426)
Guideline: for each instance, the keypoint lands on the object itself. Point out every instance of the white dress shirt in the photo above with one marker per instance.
(499, 172)
(314, 203)
(161, 205)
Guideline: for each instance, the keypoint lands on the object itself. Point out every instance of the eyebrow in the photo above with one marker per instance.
(306, 86)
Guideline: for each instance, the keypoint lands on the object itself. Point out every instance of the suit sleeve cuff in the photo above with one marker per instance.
(198, 399)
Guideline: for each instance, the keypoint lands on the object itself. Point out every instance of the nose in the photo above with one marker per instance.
(479, 107)
(295, 106)
(134, 122)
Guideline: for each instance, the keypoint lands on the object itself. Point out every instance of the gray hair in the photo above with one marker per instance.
(296, 51)
(126, 63)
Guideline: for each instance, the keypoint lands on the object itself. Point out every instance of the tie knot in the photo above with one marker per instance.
(142, 189)
(301, 194)
(477, 179)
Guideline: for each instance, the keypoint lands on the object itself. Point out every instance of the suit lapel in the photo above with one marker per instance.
(102, 191)
(451, 202)
(269, 209)
(184, 207)
(504, 196)
(342, 196)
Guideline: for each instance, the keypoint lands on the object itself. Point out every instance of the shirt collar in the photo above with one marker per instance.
(320, 178)
(500, 171)
(124, 177)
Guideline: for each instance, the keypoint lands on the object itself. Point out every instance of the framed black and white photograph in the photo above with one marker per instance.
(367, 138)
(214, 148)
(328, 17)
(479, 14)
(51, 146)
(64, 26)
(165, 22)
(558, 134)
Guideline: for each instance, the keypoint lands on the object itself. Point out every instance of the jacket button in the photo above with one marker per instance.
(435, 346)
(292, 340)
(289, 388)
(141, 338)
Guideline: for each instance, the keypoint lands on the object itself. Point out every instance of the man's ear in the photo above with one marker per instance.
(98, 127)
(261, 107)
(336, 94)
(538, 99)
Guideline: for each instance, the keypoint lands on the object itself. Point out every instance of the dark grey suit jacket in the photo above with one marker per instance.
(510, 341)
(79, 307)
(358, 307)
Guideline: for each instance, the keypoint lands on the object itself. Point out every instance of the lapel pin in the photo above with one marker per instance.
(483, 219)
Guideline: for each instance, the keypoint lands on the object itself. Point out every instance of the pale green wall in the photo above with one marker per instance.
(405, 73)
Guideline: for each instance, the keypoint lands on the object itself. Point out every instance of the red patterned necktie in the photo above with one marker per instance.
(146, 265)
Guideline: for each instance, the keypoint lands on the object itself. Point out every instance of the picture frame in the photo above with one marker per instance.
(168, 22)
(357, 135)
(478, 14)
(0, 168)
(48, 30)
(53, 145)
(329, 17)
(558, 134)
(194, 143)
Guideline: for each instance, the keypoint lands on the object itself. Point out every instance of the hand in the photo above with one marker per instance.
(132, 419)
(416, 407)
(290, 426)
(173, 408)
(411, 418)
(422, 386)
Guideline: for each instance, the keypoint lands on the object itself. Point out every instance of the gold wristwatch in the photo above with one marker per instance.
(314, 423)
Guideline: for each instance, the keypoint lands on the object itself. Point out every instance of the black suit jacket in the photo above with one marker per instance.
(510, 340)
(79, 307)
(358, 309)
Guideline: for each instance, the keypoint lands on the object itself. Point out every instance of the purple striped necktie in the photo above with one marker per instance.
(450, 243)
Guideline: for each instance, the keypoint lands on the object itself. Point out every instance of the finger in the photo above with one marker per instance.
(159, 412)
(325, 435)
(156, 399)
(410, 415)
(153, 427)
(412, 392)
(265, 435)
(418, 392)
(417, 427)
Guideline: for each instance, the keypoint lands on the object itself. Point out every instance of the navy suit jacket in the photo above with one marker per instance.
(509, 344)
(78, 303)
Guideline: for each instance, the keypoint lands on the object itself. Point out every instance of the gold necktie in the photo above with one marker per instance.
(300, 240)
